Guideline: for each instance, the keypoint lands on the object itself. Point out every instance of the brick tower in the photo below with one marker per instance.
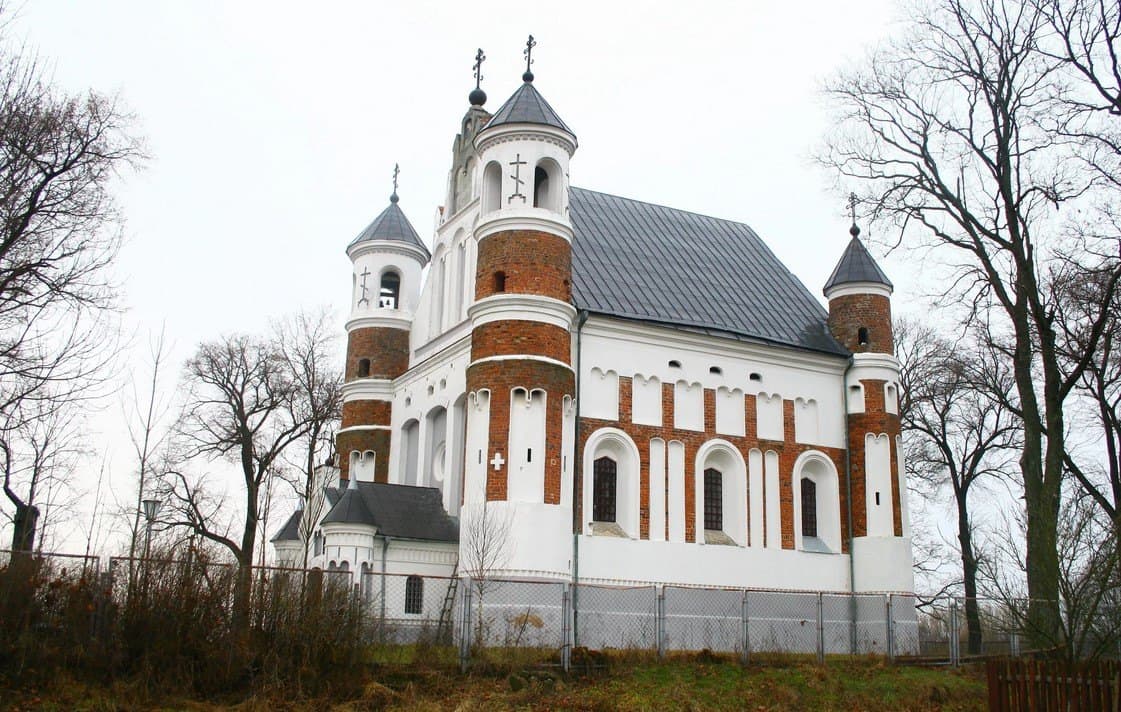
(388, 257)
(520, 381)
(859, 297)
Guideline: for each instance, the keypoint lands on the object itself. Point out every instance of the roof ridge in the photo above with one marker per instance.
(665, 207)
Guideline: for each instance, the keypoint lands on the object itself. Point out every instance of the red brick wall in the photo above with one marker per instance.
(366, 412)
(501, 377)
(872, 311)
(505, 338)
(387, 349)
(533, 262)
(877, 421)
(363, 440)
(788, 452)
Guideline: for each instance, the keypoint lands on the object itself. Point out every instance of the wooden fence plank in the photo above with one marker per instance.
(1043, 686)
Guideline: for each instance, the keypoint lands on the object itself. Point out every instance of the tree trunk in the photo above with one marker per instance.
(23, 531)
(969, 578)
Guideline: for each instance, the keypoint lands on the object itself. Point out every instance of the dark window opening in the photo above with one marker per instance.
(363, 367)
(877, 499)
(714, 500)
(604, 477)
(414, 595)
(540, 187)
(809, 507)
(390, 290)
(716, 370)
(529, 455)
(755, 377)
(862, 335)
(675, 364)
(500, 281)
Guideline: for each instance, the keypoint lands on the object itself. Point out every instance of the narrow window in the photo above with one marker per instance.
(414, 595)
(540, 188)
(809, 507)
(755, 377)
(675, 364)
(714, 500)
(492, 187)
(500, 281)
(862, 335)
(363, 367)
(390, 290)
(877, 499)
(529, 455)
(604, 476)
(715, 370)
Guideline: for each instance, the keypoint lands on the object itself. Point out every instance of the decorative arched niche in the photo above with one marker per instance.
(614, 446)
(815, 485)
(720, 480)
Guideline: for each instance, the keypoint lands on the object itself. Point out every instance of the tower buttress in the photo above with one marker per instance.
(520, 379)
(859, 297)
(387, 258)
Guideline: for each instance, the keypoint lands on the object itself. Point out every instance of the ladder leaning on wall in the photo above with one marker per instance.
(444, 626)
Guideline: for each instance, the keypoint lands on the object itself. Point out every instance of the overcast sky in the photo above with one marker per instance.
(273, 129)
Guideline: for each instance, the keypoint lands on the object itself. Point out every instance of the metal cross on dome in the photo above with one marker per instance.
(528, 52)
(517, 164)
(854, 230)
(478, 66)
(396, 172)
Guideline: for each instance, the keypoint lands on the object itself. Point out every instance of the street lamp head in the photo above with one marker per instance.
(151, 508)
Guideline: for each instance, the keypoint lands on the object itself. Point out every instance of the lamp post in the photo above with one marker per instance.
(151, 509)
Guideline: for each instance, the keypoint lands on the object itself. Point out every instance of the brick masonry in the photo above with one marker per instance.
(507, 338)
(533, 263)
(362, 440)
(387, 349)
(875, 420)
(787, 452)
(849, 313)
(502, 377)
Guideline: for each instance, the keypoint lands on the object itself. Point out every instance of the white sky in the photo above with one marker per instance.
(273, 129)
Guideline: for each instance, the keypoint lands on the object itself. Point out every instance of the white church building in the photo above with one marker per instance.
(634, 393)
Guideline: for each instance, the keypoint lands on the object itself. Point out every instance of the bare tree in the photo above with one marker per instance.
(946, 132)
(307, 345)
(484, 548)
(59, 234)
(958, 430)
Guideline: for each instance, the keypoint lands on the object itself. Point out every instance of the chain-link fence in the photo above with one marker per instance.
(470, 620)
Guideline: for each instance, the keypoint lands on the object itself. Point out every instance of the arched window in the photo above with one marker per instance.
(390, 290)
(714, 500)
(540, 188)
(604, 474)
(499, 281)
(414, 595)
(809, 507)
(363, 367)
(862, 335)
(492, 187)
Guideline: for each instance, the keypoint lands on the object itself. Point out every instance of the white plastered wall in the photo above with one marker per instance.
(877, 468)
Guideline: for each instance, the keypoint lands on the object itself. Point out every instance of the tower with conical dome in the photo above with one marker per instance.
(520, 381)
(859, 295)
(387, 259)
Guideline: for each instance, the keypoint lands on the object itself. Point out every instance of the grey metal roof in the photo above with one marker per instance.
(291, 529)
(527, 106)
(391, 225)
(396, 510)
(856, 265)
(648, 262)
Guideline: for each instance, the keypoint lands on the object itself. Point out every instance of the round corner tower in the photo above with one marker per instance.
(520, 380)
(859, 297)
(387, 259)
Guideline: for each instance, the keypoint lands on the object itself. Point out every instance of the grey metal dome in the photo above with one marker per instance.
(856, 265)
(527, 106)
(391, 225)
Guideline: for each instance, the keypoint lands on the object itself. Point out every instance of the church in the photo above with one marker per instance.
(577, 386)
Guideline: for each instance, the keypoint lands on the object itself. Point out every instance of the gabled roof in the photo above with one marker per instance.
(391, 225)
(291, 529)
(527, 106)
(651, 263)
(400, 511)
(856, 265)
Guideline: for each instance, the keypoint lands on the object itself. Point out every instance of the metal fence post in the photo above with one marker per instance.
(890, 625)
(660, 620)
(465, 626)
(744, 615)
(955, 641)
(566, 626)
(820, 629)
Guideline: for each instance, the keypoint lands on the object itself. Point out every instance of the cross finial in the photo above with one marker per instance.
(854, 230)
(478, 66)
(528, 52)
(396, 172)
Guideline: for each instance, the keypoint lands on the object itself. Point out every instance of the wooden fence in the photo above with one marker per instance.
(1044, 686)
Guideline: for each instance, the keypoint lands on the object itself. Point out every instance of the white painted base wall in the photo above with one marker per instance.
(882, 564)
